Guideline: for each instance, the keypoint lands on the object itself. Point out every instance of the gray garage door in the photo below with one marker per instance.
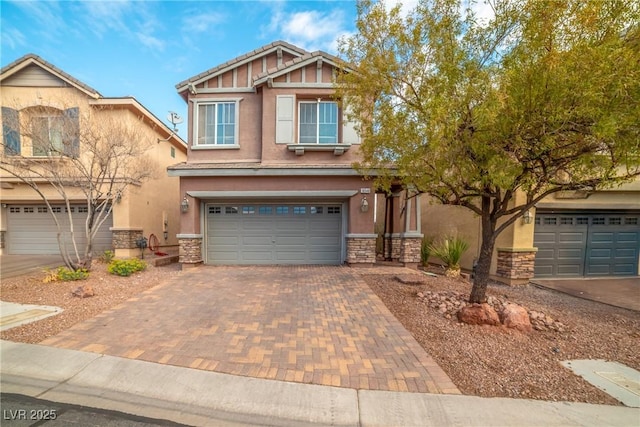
(586, 244)
(257, 233)
(31, 230)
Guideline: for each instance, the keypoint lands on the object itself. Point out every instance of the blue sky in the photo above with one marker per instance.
(144, 48)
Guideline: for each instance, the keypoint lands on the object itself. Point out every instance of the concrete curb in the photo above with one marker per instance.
(203, 398)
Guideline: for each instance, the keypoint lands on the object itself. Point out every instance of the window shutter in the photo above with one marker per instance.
(284, 119)
(72, 131)
(349, 133)
(10, 131)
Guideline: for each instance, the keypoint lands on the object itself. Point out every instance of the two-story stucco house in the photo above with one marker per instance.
(37, 96)
(269, 177)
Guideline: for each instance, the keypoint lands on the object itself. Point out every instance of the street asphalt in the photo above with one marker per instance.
(204, 398)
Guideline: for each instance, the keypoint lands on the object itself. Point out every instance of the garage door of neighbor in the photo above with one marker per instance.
(258, 233)
(32, 230)
(586, 244)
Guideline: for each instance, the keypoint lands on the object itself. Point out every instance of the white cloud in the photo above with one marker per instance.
(309, 29)
(48, 15)
(12, 37)
(151, 42)
(406, 6)
(202, 22)
(103, 17)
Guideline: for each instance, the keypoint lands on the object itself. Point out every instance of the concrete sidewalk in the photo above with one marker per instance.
(196, 397)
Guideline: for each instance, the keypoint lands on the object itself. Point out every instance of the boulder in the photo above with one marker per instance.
(516, 317)
(84, 291)
(478, 314)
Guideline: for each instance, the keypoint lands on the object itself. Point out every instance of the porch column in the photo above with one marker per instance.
(190, 250)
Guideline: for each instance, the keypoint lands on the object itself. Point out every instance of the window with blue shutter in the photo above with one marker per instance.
(10, 131)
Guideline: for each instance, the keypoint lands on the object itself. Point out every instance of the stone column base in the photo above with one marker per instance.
(515, 265)
(190, 250)
(361, 249)
(392, 246)
(123, 241)
(410, 251)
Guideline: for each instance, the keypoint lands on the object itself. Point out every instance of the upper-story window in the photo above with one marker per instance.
(217, 123)
(47, 135)
(318, 122)
(47, 132)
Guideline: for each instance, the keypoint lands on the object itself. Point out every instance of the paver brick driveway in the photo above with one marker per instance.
(309, 324)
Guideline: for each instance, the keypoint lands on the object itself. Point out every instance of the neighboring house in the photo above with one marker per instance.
(269, 177)
(570, 235)
(153, 207)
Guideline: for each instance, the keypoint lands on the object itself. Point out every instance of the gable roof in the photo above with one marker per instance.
(32, 59)
(128, 102)
(242, 59)
(294, 64)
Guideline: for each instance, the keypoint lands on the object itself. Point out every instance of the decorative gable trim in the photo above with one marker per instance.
(28, 60)
(278, 46)
(318, 57)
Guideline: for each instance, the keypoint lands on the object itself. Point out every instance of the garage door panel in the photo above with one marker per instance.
(600, 244)
(281, 234)
(265, 240)
(602, 237)
(33, 232)
(546, 237)
(575, 254)
(224, 255)
(624, 269)
(627, 237)
(256, 256)
(290, 256)
(571, 238)
(603, 253)
(569, 269)
(625, 253)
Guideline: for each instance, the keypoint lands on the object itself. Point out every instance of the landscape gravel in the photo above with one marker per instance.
(493, 361)
(110, 290)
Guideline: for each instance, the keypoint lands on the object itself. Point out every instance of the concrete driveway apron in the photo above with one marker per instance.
(308, 324)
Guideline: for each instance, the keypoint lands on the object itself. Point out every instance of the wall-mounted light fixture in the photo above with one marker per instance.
(364, 204)
(527, 217)
(184, 206)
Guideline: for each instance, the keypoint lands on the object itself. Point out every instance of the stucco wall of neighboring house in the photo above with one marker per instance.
(148, 206)
(440, 220)
(144, 207)
(626, 196)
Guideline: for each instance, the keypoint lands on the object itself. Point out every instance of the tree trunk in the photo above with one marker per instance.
(481, 278)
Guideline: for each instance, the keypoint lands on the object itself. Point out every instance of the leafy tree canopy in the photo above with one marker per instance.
(543, 97)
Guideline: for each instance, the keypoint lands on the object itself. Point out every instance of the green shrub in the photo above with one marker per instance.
(126, 267)
(107, 256)
(64, 274)
(450, 250)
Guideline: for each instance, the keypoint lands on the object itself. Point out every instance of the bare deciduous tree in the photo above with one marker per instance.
(69, 156)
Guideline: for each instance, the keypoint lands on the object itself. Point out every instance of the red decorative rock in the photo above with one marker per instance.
(478, 314)
(516, 317)
(83, 292)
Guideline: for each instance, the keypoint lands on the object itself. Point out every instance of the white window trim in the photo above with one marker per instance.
(209, 101)
(317, 102)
